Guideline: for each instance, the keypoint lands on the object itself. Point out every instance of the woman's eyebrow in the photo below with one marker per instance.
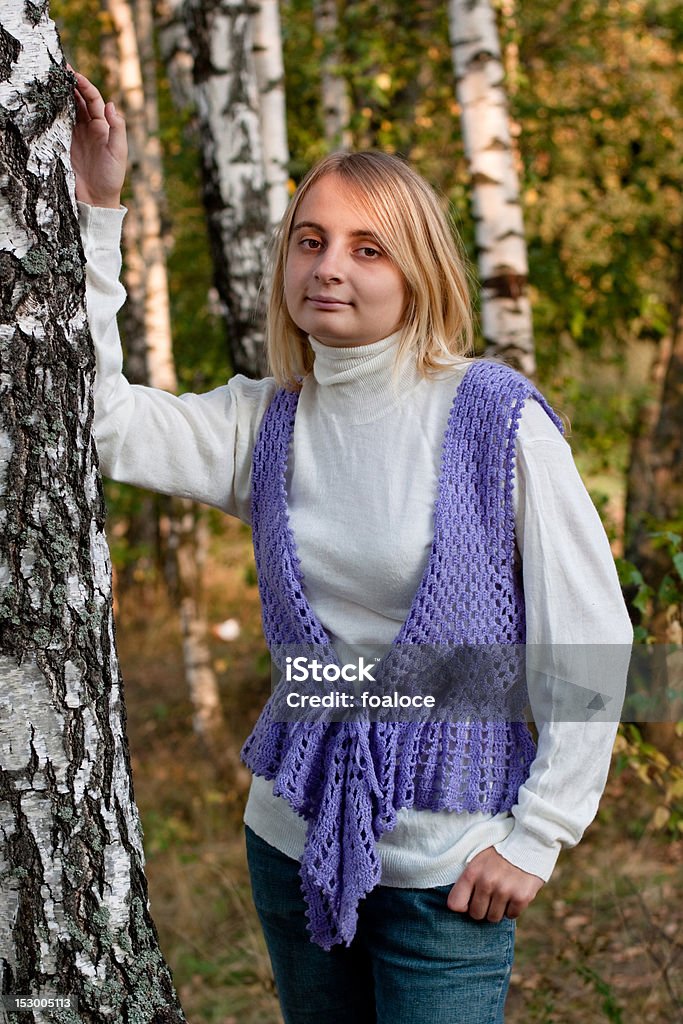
(311, 224)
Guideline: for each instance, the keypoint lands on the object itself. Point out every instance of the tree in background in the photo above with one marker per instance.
(74, 914)
(501, 246)
(270, 75)
(235, 187)
(335, 97)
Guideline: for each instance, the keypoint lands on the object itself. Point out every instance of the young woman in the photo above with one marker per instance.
(401, 494)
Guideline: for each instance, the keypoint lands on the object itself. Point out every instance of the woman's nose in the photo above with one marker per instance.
(329, 266)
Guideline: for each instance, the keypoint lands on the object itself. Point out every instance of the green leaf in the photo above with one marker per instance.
(642, 598)
(678, 563)
(669, 593)
(629, 574)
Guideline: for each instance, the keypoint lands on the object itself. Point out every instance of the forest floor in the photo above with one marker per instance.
(603, 941)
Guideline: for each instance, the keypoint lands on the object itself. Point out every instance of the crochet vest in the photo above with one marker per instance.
(348, 779)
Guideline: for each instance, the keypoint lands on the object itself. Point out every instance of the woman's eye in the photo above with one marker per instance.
(369, 251)
(311, 243)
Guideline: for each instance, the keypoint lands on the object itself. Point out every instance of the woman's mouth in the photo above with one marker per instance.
(326, 302)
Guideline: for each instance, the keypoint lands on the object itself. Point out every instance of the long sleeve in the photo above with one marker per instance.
(192, 446)
(574, 607)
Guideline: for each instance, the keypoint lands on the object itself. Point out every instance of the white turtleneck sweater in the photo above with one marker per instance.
(363, 471)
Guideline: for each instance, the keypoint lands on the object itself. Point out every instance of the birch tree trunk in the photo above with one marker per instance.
(234, 181)
(501, 248)
(176, 52)
(336, 101)
(270, 77)
(180, 524)
(74, 916)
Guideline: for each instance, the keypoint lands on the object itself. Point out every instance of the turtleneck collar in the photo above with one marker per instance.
(361, 382)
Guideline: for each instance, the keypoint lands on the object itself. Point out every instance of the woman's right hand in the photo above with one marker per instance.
(99, 150)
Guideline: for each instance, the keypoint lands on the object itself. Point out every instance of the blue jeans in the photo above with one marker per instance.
(412, 961)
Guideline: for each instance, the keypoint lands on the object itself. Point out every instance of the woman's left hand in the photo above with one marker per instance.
(492, 888)
(99, 149)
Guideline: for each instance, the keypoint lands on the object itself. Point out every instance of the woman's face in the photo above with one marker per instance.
(340, 286)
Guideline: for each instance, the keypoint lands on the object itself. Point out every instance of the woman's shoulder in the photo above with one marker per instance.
(242, 402)
(251, 388)
(250, 396)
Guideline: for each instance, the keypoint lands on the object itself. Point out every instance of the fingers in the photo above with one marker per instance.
(459, 896)
(491, 888)
(118, 142)
(82, 115)
(91, 96)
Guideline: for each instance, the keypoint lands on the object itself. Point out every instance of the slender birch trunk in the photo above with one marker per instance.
(74, 916)
(501, 248)
(185, 538)
(336, 101)
(176, 52)
(180, 523)
(235, 188)
(270, 76)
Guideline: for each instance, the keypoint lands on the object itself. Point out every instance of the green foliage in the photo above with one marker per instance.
(655, 771)
(199, 344)
(668, 594)
(602, 151)
(81, 26)
(649, 764)
(610, 1006)
(396, 62)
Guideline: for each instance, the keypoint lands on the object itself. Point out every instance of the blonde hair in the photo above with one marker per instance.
(405, 214)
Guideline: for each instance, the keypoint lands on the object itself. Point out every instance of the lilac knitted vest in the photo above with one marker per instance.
(348, 779)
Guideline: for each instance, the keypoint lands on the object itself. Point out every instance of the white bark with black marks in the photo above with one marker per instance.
(175, 51)
(235, 187)
(501, 246)
(74, 915)
(336, 99)
(270, 75)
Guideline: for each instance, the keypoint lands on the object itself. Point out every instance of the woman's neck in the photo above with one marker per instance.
(363, 379)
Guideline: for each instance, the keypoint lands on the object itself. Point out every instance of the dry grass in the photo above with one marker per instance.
(602, 942)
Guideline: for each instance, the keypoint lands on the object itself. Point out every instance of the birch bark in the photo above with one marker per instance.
(270, 77)
(501, 248)
(336, 101)
(74, 914)
(176, 52)
(235, 187)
